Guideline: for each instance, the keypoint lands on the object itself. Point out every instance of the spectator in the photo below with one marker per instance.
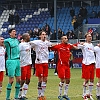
(55, 62)
(84, 11)
(68, 32)
(93, 14)
(71, 35)
(11, 19)
(31, 33)
(51, 58)
(33, 56)
(47, 29)
(36, 33)
(79, 20)
(52, 11)
(80, 35)
(53, 35)
(72, 12)
(97, 36)
(59, 33)
(17, 18)
(74, 20)
(99, 14)
(71, 60)
(81, 11)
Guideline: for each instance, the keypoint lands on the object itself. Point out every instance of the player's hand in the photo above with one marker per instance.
(98, 45)
(82, 43)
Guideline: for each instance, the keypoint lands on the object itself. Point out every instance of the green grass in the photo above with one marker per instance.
(75, 88)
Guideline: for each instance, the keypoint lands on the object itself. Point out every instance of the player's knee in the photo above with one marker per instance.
(67, 81)
(27, 81)
(86, 81)
(11, 82)
(45, 81)
(19, 81)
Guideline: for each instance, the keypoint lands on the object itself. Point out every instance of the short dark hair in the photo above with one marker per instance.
(41, 32)
(63, 35)
(11, 30)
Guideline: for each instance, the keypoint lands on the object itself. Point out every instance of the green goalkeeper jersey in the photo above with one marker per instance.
(12, 48)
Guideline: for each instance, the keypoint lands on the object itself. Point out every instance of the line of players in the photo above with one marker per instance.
(19, 62)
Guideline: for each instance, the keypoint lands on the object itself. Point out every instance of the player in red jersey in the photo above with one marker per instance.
(63, 67)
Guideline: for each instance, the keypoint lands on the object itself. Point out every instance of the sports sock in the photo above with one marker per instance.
(25, 88)
(17, 89)
(20, 92)
(39, 89)
(90, 88)
(66, 86)
(84, 88)
(8, 91)
(98, 89)
(43, 85)
(0, 89)
(60, 88)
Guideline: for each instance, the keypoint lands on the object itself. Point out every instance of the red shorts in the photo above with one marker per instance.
(1, 76)
(88, 71)
(41, 70)
(26, 72)
(98, 72)
(63, 71)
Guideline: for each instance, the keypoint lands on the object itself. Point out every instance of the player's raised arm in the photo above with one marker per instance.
(80, 45)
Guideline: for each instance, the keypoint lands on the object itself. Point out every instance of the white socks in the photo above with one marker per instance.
(25, 88)
(43, 85)
(60, 88)
(98, 89)
(84, 89)
(66, 86)
(0, 89)
(90, 88)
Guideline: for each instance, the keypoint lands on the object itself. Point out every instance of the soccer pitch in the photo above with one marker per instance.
(51, 93)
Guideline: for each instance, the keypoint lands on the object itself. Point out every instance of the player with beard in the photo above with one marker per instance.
(12, 63)
(63, 67)
(25, 64)
(41, 62)
(2, 61)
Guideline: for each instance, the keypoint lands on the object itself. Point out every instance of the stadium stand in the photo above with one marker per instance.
(38, 17)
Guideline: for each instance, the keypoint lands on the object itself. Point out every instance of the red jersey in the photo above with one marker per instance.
(63, 52)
